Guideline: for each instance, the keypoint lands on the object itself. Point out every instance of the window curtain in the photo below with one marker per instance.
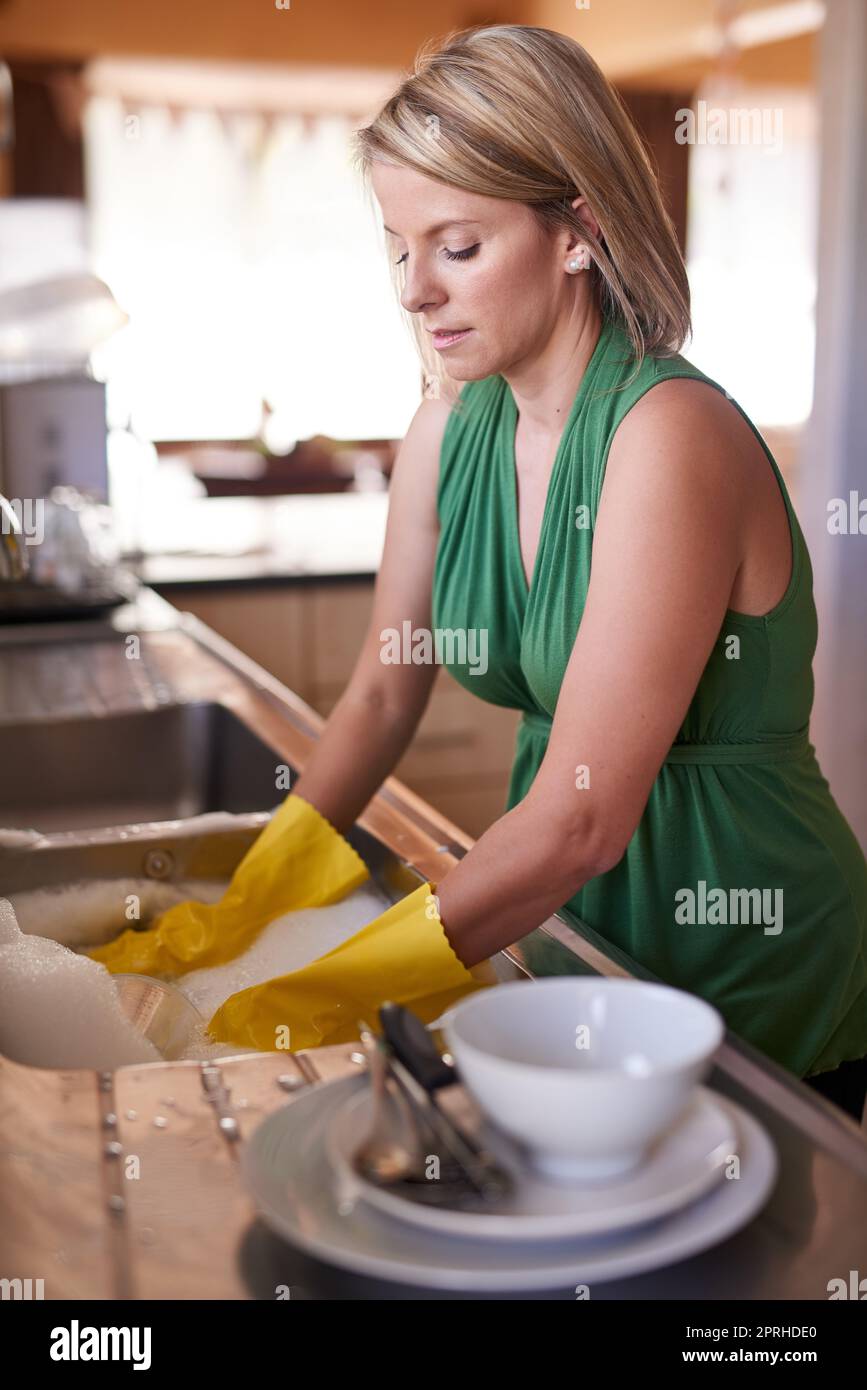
(252, 267)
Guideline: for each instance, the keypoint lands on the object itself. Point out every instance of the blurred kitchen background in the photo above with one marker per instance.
(204, 371)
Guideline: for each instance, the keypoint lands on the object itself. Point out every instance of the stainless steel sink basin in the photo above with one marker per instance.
(114, 760)
(191, 850)
(160, 764)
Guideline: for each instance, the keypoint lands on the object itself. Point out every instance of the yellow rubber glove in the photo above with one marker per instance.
(403, 956)
(299, 860)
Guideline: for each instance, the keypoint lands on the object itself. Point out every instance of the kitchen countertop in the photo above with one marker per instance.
(188, 1228)
(59, 1188)
(239, 541)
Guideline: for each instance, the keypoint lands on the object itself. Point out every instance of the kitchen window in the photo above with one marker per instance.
(249, 259)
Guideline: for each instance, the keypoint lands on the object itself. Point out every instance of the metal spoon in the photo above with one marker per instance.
(382, 1158)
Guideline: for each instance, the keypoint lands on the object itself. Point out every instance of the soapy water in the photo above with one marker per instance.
(93, 912)
(60, 1009)
(286, 944)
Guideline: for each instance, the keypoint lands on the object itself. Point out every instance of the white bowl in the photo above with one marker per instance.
(586, 1072)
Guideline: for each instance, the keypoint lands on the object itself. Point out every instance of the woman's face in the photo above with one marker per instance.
(481, 270)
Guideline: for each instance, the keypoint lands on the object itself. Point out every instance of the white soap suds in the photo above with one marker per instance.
(95, 911)
(59, 1009)
(286, 944)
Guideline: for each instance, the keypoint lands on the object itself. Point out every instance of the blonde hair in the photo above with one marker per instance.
(523, 113)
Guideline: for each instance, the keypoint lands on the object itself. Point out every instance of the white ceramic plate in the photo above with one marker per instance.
(683, 1164)
(300, 1197)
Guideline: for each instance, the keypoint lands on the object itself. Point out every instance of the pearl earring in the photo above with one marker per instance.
(581, 261)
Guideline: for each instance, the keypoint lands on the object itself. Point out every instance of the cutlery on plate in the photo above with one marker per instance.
(413, 1045)
(420, 1071)
(381, 1157)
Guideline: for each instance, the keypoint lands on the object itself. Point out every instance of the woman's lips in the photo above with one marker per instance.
(441, 341)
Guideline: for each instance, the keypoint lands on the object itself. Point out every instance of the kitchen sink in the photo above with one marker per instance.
(165, 767)
(172, 852)
(167, 763)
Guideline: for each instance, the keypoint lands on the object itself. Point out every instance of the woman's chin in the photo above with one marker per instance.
(466, 374)
(468, 369)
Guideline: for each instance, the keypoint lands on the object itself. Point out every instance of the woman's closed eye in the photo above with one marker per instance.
(464, 255)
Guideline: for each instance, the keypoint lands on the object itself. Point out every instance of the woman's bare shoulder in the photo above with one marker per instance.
(695, 412)
(692, 422)
(415, 474)
(431, 418)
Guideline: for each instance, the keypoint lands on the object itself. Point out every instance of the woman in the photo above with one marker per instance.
(663, 788)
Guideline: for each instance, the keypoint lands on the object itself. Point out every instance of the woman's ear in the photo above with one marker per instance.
(579, 205)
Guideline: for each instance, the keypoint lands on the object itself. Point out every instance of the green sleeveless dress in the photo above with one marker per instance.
(740, 802)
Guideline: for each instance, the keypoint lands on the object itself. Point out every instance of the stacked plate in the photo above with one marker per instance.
(701, 1180)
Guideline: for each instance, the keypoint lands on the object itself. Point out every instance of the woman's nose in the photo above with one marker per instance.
(419, 290)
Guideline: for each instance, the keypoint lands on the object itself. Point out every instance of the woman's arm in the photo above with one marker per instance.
(666, 552)
(378, 713)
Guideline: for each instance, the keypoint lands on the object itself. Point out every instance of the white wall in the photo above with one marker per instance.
(835, 458)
